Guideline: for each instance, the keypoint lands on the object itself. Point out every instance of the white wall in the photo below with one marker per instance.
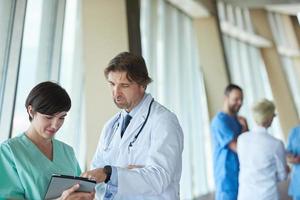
(104, 35)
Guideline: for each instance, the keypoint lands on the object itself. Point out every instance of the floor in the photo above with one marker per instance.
(283, 188)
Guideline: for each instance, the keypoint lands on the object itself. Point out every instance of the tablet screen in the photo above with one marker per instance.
(59, 183)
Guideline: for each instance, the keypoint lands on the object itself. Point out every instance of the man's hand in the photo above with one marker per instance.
(243, 122)
(71, 194)
(287, 169)
(233, 145)
(95, 174)
(293, 159)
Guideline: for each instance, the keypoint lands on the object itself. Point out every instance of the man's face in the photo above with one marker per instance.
(234, 101)
(126, 94)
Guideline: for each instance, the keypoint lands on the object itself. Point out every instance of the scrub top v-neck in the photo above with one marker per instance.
(26, 171)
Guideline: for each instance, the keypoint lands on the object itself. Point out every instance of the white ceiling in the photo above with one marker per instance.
(259, 3)
(290, 9)
(195, 9)
(191, 7)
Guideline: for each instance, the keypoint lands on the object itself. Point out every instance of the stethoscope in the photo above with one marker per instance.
(116, 125)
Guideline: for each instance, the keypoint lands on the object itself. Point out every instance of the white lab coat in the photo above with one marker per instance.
(262, 165)
(158, 148)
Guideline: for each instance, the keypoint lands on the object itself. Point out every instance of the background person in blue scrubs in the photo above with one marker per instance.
(226, 128)
(293, 157)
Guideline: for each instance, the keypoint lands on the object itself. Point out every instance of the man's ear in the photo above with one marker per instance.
(143, 87)
(225, 98)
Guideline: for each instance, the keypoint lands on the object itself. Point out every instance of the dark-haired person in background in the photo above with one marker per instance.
(28, 160)
(226, 128)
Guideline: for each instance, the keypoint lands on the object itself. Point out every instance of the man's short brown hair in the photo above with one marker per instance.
(134, 65)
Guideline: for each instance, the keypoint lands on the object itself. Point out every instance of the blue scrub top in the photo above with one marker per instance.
(226, 165)
(293, 147)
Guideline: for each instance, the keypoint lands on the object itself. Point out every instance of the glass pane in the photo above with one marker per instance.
(28, 64)
(71, 78)
(244, 59)
(6, 17)
(168, 44)
(288, 63)
(293, 80)
(6, 13)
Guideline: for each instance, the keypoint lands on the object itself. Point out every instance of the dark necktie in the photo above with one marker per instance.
(126, 122)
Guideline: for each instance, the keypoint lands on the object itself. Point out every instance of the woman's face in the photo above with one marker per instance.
(47, 125)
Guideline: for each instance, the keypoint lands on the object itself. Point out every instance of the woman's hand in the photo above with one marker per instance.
(71, 194)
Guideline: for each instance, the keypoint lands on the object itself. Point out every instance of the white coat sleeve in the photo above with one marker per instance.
(280, 159)
(163, 163)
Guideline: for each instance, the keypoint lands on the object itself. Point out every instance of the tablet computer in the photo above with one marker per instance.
(59, 183)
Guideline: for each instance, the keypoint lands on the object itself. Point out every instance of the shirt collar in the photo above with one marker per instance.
(259, 129)
(226, 114)
(136, 108)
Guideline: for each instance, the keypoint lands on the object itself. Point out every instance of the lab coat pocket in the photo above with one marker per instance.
(138, 154)
(110, 155)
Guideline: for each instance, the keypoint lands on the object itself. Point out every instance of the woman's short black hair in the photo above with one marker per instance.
(48, 98)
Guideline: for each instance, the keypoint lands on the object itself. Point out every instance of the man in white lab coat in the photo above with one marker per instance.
(139, 155)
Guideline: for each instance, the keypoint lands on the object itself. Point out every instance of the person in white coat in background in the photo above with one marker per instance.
(139, 155)
(262, 157)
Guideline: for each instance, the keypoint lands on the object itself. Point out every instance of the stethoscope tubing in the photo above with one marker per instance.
(115, 128)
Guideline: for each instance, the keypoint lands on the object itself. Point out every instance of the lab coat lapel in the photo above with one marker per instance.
(113, 130)
(136, 122)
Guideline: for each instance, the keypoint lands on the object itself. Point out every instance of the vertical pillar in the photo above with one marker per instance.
(212, 61)
(104, 35)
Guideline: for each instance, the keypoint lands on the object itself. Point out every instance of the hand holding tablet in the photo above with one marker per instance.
(60, 183)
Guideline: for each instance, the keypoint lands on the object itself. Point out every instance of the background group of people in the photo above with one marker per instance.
(249, 163)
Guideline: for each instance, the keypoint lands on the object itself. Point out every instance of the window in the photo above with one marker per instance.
(71, 78)
(41, 44)
(28, 64)
(287, 43)
(245, 64)
(39, 52)
(170, 50)
(11, 29)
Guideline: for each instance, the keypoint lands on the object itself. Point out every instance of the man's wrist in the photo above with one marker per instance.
(107, 170)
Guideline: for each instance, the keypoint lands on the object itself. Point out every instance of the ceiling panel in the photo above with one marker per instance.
(259, 3)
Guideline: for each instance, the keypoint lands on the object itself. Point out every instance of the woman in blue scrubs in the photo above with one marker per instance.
(28, 160)
(293, 149)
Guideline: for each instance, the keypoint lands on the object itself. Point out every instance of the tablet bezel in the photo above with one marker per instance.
(86, 185)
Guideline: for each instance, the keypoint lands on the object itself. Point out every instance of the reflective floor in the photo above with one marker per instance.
(283, 188)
